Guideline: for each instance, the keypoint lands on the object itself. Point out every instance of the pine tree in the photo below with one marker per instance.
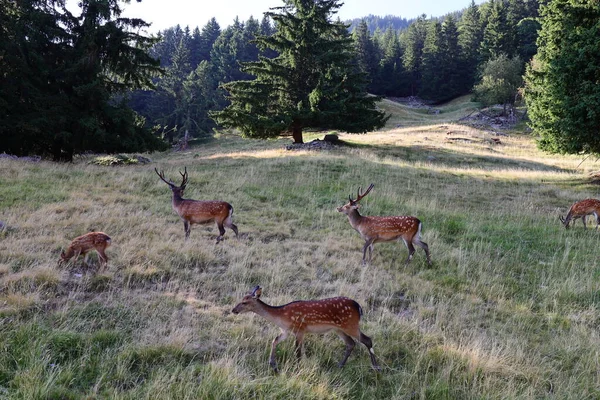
(470, 36)
(366, 52)
(392, 79)
(210, 32)
(451, 71)
(312, 83)
(497, 35)
(431, 62)
(76, 70)
(562, 91)
(414, 42)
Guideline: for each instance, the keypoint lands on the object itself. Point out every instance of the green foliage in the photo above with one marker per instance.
(509, 308)
(562, 92)
(119, 159)
(63, 78)
(500, 81)
(311, 83)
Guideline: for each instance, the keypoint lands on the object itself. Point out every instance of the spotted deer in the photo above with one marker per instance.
(338, 314)
(81, 245)
(199, 211)
(582, 209)
(384, 229)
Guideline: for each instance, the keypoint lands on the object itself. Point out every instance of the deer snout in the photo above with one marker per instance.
(235, 310)
(339, 209)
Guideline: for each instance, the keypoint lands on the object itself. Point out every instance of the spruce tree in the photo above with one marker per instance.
(208, 37)
(497, 35)
(392, 79)
(562, 91)
(311, 83)
(432, 62)
(366, 52)
(414, 42)
(470, 34)
(72, 73)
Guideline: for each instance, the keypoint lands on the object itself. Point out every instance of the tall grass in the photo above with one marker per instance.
(509, 309)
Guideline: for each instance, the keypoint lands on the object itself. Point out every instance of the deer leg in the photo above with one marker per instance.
(103, 258)
(350, 343)
(411, 250)
(597, 219)
(583, 220)
(186, 228)
(364, 339)
(368, 245)
(233, 228)
(424, 246)
(231, 225)
(221, 232)
(299, 341)
(276, 341)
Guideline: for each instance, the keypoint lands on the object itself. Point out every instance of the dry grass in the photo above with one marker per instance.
(509, 309)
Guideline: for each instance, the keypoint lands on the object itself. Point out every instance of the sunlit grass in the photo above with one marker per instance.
(509, 309)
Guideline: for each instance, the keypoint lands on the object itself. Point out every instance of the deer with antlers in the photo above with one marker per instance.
(81, 245)
(338, 314)
(384, 229)
(199, 211)
(581, 209)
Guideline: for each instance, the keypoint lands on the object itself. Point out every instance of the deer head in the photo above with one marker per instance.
(353, 204)
(248, 303)
(177, 190)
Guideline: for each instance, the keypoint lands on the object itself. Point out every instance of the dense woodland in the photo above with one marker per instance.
(97, 82)
(436, 59)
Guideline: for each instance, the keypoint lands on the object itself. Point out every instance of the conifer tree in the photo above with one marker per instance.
(562, 91)
(208, 37)
(497, 35)
(470, 34)
(432, 61)
(311, 83)
(414, 42)
(75, 72)
(392, 79)
(366, 52)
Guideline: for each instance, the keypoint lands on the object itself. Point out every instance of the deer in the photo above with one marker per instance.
(384, 229)
(339, 314)
(581, 209)
(81, 245)
(199, 211)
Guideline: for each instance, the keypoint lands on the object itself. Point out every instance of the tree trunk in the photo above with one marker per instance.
(297, 134)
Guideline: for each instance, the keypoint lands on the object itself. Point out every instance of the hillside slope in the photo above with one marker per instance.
(509, 309)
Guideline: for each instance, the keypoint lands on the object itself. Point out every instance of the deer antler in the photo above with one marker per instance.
(360, 196)
(161, 175)
(184, 175)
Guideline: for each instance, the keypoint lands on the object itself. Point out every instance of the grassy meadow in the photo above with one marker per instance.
(510, 308)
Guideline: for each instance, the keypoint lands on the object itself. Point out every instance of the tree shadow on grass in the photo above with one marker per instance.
(455, 158)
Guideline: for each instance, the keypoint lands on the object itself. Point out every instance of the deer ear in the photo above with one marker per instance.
(257, 292)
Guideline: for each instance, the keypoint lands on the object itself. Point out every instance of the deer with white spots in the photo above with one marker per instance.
(581, 209)
(198, 211)
(83, 244)
(338, 314)
(384, 229)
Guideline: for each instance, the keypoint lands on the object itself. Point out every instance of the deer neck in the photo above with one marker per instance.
(270, 313)
(355, 218)
(177, 199)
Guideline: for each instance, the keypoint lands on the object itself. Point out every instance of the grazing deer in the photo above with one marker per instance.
(81, 245)
(582, 209)
(339, 314)
(384, 229)
(197, 211)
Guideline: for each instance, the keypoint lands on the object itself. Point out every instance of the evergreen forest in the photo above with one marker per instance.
(98, 82)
